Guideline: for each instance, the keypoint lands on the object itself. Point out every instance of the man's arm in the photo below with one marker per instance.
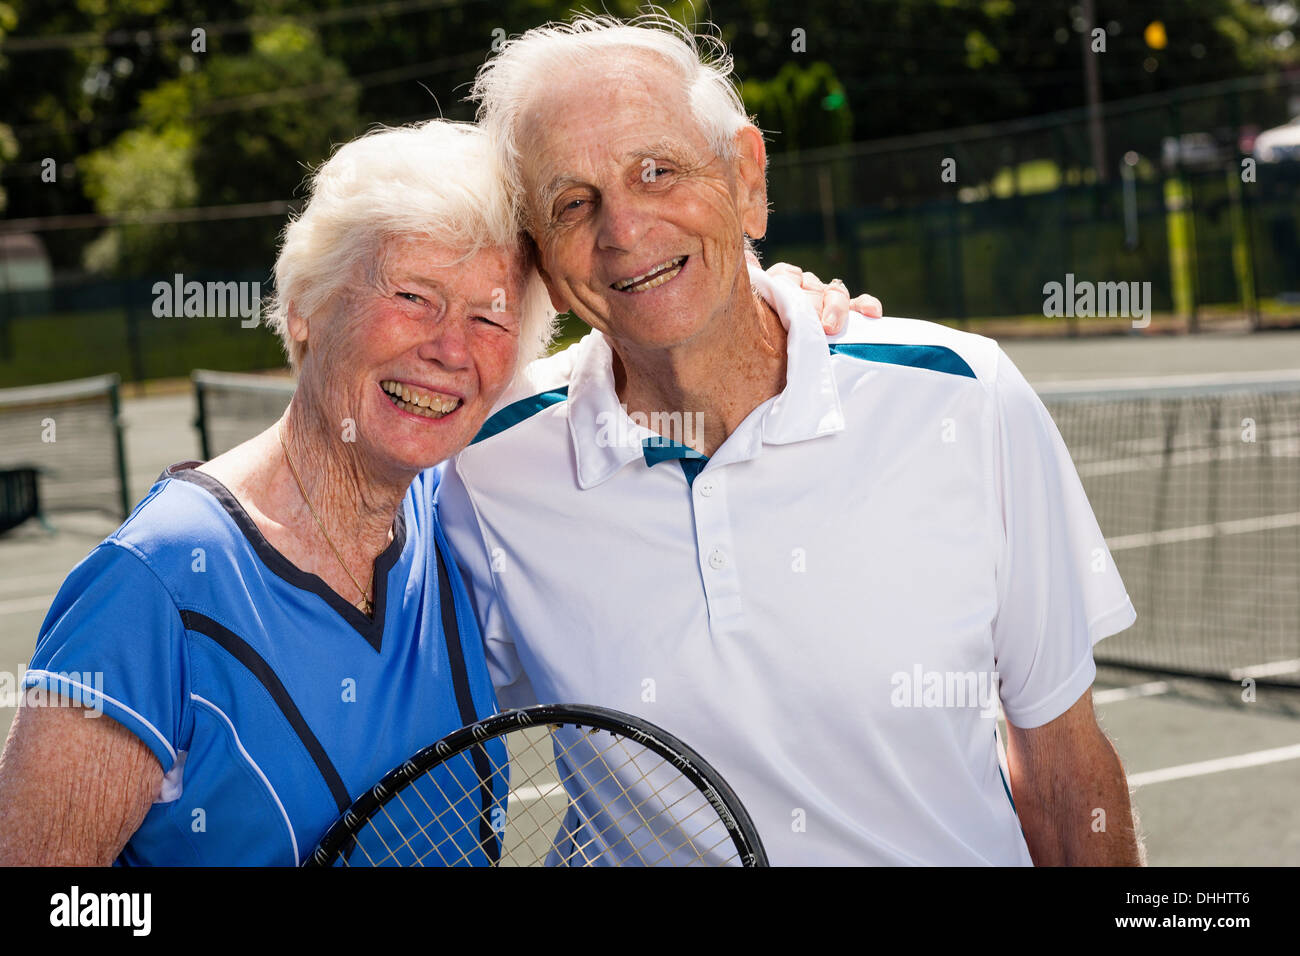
(1071, 792)
(73, 788)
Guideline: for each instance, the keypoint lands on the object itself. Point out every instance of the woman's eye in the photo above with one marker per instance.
(570, 207)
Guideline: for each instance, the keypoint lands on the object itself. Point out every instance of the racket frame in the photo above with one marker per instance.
(731, 812)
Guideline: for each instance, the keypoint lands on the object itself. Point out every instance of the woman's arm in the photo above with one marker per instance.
(74, 786)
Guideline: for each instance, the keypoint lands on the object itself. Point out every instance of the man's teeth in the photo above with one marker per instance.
(666, 271)
(419, 402)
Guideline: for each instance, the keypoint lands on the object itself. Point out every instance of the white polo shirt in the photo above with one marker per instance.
(827, 608)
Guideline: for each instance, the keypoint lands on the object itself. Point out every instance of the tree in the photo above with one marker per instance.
(190, 150)
(803, 106)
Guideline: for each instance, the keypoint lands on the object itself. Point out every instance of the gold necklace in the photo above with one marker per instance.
(367, 605)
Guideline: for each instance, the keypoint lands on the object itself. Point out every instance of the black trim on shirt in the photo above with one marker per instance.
(372, 629)
(487, 836)
(256, 665)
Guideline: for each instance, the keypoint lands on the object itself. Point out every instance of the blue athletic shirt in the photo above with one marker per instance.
(270, 702)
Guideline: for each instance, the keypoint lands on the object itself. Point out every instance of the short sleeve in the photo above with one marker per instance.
(1059, 592)
(460, 523)
(113, 641)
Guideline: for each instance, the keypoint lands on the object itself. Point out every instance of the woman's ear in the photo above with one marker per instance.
(296, 324)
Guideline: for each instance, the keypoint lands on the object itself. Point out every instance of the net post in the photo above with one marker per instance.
(115, 399)
(201, 415)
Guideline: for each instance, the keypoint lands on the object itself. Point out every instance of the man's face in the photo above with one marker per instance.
(639, 225)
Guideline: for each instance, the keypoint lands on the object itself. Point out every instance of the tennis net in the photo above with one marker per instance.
(71, 434)
(233, 407)
(1196, 485)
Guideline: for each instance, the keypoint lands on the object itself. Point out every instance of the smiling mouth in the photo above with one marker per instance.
(649, 280)
(419, 401)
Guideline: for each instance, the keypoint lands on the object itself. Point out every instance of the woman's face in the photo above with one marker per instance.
(416, 357)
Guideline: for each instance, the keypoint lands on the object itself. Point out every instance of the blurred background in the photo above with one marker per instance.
(950, 157)
(954, 158)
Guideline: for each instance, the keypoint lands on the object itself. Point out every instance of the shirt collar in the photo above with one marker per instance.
(809, 405)
(605, 439)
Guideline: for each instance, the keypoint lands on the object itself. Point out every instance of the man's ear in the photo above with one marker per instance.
(751, 181)
(533, 259)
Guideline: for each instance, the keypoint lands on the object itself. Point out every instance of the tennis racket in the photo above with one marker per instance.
(555, 785)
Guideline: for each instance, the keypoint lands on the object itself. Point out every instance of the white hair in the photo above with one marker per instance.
(507, 82)
(437, 180)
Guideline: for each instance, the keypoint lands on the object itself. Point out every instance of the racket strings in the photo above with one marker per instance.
(648, 821)
(658, 821)
(437, 825)
(570, 795)
(577, 779)
(661, 819)
(464, 849)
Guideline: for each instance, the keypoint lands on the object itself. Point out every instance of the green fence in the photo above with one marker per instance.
(971, 223)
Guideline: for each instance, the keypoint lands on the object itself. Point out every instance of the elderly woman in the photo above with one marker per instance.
(279, 626)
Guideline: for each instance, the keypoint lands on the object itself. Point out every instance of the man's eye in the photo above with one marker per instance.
(410, 297)
(485, 319)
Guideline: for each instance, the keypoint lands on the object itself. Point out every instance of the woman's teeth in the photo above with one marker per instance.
(655, 277)
(419, 402)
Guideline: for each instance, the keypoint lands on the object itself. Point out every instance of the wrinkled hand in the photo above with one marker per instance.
(831, 300)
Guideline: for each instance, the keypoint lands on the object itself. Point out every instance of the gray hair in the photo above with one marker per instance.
(437, 180)
(509, 79)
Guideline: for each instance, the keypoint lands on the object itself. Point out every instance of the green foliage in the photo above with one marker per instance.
(912, 66)
(144, 170)
(194, 149)
(805, 106)
(282, 81)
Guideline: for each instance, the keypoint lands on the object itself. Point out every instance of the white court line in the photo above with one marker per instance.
(1199, 532)
(530, 793)
(1152, 689)
(1256, 759)
(1265, 670)
(1199, 456)
(21, 605)
(1059, 386)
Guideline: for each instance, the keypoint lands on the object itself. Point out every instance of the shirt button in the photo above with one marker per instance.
(707, 487)
(717, 560)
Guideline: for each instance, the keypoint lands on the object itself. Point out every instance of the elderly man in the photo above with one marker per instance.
(819, 561)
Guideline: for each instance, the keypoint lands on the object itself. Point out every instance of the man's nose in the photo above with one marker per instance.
(622, 222)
